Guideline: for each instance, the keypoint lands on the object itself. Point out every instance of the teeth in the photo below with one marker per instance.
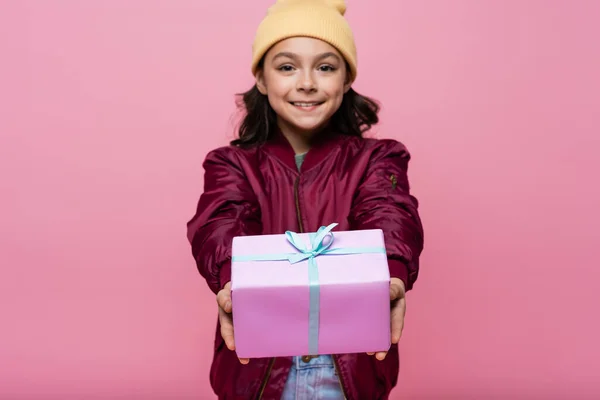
(305, 104)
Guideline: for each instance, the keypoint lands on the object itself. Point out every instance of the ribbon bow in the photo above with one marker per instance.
(317, 244)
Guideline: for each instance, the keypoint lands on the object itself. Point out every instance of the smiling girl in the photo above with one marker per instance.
(301, 162)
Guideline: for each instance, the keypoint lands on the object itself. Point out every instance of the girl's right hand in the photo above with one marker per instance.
(225, 319)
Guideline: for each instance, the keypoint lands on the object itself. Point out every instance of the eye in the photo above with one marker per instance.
(286, 68)
(327, 68)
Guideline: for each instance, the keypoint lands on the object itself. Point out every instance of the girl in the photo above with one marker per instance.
(300, 162)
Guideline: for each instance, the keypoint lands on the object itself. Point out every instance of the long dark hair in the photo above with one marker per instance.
(356, 115)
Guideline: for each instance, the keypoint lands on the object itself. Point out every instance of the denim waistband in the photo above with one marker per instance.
(323, 361)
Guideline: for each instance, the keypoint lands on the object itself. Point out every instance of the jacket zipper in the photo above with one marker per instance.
(298, 213)
(266, 379)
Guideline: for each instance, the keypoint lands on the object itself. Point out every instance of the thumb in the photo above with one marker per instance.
(397, 290)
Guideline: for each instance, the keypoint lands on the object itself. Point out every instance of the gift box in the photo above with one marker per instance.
(308, 294)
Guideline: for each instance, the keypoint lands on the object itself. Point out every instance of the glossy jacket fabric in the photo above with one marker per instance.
(358, 183)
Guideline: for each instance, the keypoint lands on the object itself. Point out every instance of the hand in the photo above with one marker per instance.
(225, 319)
(398, 309)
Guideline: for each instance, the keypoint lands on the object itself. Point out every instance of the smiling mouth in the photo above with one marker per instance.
(307, 105)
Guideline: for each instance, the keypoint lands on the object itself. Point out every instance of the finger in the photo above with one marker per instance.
(224, 300)
(244, 360)
(370, 354)
(397, 319)
(227, 329)
(381, 355)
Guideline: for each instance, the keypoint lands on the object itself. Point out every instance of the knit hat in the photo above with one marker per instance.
(319, 19)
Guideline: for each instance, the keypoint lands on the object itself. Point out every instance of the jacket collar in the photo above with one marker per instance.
(325, 143)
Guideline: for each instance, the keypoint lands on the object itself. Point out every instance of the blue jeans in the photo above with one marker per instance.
(313, 380)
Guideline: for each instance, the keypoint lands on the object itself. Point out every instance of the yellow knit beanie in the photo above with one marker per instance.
(319, 19)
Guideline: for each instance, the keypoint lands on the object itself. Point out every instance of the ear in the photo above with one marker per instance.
(348, 83)
(348, 80)
(260, 81)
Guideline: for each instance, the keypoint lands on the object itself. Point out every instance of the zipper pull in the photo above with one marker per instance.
(394, 181)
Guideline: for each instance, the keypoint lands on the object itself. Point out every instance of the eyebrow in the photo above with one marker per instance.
(286, 54)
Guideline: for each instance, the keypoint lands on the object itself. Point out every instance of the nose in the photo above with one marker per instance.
(306, 83)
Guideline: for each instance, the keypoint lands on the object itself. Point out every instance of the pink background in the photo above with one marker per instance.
(107, 109)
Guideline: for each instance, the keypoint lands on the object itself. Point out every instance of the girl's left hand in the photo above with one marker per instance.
(398, 310)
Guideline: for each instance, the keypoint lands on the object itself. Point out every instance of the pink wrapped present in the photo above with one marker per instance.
(309, 294)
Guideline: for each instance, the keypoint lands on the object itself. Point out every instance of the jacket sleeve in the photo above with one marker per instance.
(383, 201)
(228, 207)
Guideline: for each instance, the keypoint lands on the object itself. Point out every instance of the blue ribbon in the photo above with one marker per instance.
(318, 247)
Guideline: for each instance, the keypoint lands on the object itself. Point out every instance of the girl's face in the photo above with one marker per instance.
(305, 80)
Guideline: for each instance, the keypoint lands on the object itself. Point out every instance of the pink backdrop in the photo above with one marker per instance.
(107, 109)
